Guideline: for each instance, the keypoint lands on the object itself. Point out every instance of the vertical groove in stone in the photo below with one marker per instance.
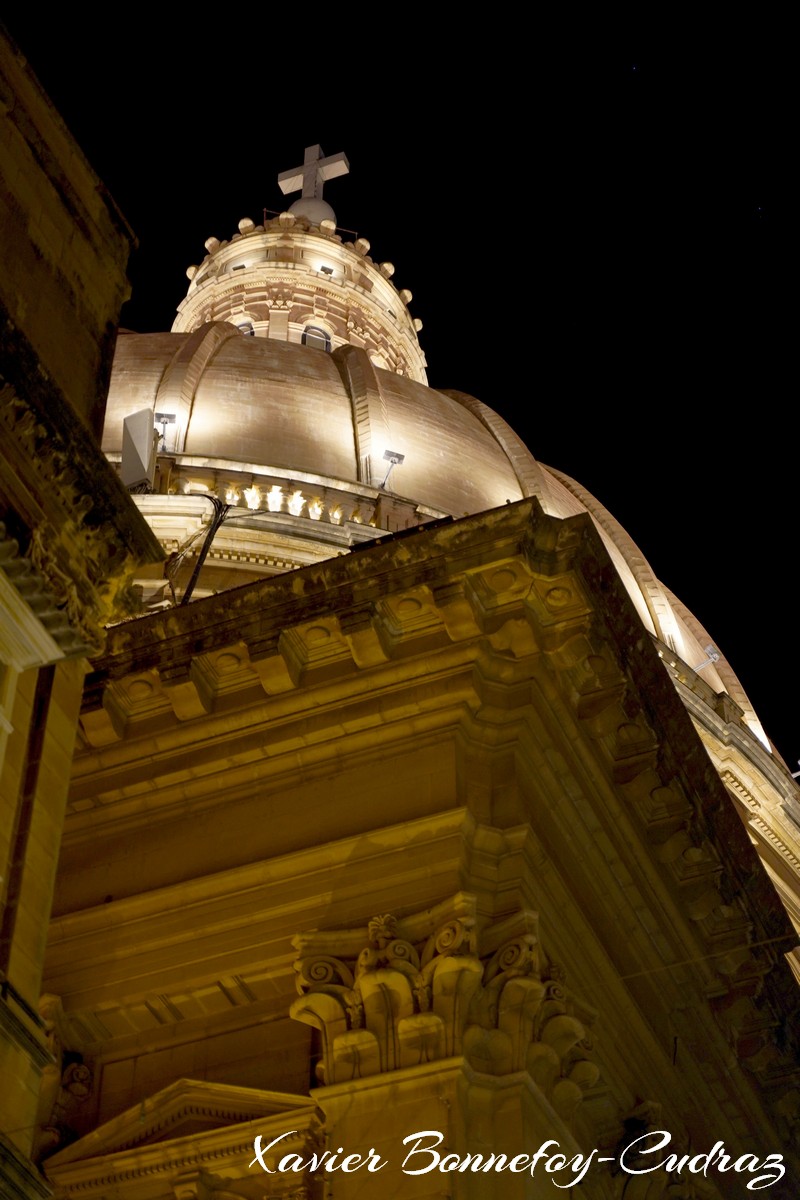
(24, 811)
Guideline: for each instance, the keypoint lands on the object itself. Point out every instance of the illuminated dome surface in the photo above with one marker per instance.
(273, 404)
(278, 414)
(292, 389)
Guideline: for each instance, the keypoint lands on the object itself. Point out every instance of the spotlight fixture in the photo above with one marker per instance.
(713, 656)
(394, 459)
(164, 419)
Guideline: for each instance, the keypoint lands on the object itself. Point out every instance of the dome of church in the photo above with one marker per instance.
(254, 407)
(290, 399)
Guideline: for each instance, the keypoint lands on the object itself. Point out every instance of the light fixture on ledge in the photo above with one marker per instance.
(713, 657)
(394, 459)
(163, 419)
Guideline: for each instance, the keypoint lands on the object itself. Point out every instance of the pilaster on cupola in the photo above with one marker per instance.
(439, 1038)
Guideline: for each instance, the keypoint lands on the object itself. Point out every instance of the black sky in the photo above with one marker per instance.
(596, 242)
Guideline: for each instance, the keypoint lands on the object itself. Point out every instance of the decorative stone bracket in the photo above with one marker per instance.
(401, 1004)
(70, 544)
(66, 1083)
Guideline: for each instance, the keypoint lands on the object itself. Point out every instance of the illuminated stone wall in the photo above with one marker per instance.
(70, 539)
(427, 830)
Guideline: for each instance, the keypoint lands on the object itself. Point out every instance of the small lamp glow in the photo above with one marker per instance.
(295, 503)
(275, 498)
(253, 496)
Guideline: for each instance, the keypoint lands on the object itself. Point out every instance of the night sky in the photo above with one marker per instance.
(596, 243)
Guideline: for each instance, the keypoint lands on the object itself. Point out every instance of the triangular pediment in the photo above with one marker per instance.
(186, 1108)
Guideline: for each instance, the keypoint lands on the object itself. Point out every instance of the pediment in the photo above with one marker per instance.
(185, 1109)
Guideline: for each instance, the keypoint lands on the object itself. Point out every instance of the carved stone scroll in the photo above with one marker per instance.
(403, 1004)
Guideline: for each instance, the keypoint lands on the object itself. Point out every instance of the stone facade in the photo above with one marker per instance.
(430, 845)
(70, 541)
(434, 835)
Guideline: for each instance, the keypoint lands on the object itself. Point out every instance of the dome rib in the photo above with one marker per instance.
(180, 380)
(370, 418)
(530, 476)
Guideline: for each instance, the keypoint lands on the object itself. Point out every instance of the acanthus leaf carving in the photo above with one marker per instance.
(404, 1004)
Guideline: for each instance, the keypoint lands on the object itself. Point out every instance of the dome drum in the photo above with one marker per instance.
(275, 522)
(287, 275)
(247, 546)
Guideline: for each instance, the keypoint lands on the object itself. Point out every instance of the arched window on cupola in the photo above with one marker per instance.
(246, 327)
(320, 339)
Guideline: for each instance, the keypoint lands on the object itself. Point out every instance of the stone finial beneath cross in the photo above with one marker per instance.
(314, 172)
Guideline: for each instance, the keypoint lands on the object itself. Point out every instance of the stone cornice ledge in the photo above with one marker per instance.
(257, 613)
(249, 904)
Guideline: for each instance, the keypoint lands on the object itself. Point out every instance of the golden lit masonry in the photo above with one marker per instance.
(375, 825)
